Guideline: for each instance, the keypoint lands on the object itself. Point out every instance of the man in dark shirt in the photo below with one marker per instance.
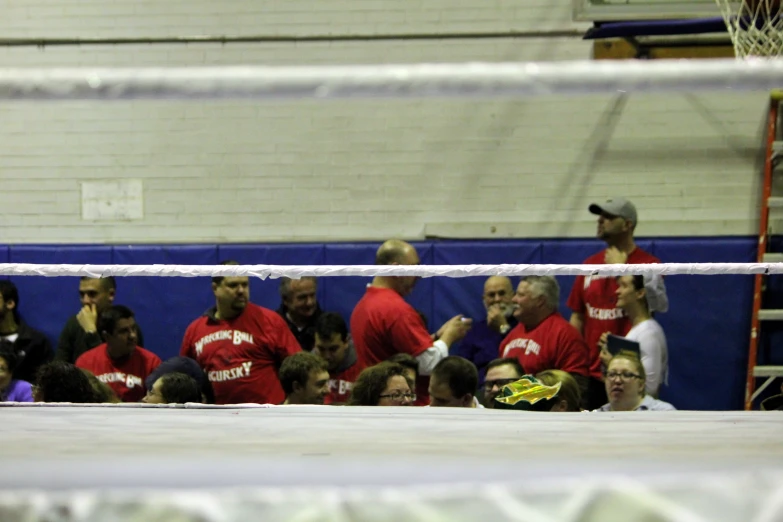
(299, 308)
(31, 346)
(81, 330)
(481, 344)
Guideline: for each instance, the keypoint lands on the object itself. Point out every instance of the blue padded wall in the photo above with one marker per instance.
(47, 302)
(464, 297)
(164, 306)
(342, 293)
(266, 292)
(707, 325)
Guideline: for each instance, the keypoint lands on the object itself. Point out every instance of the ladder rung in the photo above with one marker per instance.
(770, 315)
(776, 202)
(773, 258)
(768, 371)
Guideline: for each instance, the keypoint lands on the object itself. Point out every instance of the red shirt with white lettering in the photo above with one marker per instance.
(553, 344)
(341, 384)
(241, 356)
(126, 377)
(383, 324)
(595, 298)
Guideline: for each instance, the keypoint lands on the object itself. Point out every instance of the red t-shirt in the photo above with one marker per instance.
(241, 356)
(554, 344)
(594, 297)
(383, 324)
(341, 384)
(125, 377)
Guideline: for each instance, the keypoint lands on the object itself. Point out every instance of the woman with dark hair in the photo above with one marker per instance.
(12, 390)
(410, 364)
(640, 297)
(60, 381)
(103, 391)
(384, 384)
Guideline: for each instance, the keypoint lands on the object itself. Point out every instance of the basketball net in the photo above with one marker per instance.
(755, 27)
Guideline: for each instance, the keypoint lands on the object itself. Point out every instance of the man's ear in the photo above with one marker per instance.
(11, 305)
(467, 399)
(297, 386)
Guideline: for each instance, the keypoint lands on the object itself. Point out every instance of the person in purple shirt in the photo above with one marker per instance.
(12, 390)
(481, 344)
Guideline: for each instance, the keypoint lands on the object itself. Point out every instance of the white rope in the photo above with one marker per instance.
(463, 80)
(297, 271)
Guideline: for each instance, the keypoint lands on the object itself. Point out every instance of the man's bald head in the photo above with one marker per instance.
(498, 290)
(395, 251)
(498, 281)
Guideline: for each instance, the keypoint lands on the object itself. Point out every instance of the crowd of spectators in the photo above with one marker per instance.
(523, 355)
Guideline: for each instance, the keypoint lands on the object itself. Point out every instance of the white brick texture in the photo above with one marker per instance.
(303, 170)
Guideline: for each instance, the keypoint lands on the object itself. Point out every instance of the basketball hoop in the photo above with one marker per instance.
(755, 27)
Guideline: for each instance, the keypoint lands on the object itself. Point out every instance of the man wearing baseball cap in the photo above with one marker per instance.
(593, 299)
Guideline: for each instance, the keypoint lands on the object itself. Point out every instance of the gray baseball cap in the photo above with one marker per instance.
(619, 207)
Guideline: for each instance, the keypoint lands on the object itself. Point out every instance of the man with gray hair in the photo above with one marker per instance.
(543, 339)
(299, 307)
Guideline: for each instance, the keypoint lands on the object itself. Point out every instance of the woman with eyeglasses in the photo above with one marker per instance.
(384, 384)
(625, 380)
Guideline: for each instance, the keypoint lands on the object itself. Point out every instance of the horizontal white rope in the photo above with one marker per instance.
(297, 271)
(463, 80)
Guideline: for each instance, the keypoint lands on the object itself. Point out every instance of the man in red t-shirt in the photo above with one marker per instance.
(543, 340)
(334, 345)
(593, 299)
(383, 324)
(119, 362)
(240, 345)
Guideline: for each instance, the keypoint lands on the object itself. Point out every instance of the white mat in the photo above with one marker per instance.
(334, 464)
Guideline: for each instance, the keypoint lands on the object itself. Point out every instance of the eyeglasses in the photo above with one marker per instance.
(488, 385)
(626, 376)
(398, 396)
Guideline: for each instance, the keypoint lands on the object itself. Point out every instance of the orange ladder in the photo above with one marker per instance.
(774, 150)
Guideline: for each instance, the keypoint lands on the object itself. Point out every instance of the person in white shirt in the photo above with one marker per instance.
(639, 296)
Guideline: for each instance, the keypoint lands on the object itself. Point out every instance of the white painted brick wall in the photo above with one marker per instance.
(156, 18)
(302, 170)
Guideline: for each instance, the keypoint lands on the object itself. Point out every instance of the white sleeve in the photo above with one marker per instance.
(432, 356)
(652, 347)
